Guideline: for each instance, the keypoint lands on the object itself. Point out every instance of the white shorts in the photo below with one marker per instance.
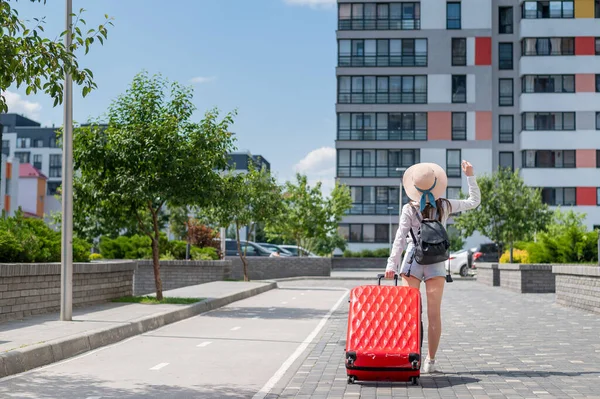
(422, 272)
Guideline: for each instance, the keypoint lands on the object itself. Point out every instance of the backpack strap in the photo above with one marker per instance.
(412, 234)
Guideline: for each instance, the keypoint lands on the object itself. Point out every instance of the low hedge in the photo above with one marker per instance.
(140, 247)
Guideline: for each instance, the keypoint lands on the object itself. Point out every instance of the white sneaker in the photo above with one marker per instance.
(429, 366)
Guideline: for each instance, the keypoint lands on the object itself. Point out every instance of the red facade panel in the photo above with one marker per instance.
(483, 51)
(586, 195)
(585, 46)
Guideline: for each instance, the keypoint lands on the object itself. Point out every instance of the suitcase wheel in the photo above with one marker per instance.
(351, 379)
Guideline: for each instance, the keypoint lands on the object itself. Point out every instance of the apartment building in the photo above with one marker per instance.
(502, 83)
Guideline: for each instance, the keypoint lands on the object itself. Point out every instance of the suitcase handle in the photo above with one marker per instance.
(380, 276)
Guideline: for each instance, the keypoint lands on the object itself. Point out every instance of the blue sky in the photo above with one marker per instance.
(273, 60)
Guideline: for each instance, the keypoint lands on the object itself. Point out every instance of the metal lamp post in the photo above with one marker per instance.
(390, 209)
(66, 275)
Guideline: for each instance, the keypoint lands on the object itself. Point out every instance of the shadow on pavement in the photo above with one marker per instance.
(426, 381)
(265, 313)
(73, 386)
(530, 373)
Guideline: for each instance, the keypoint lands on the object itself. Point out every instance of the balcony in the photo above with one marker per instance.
(419, 97)
(383, 135)
(379, 24)
(411, 60)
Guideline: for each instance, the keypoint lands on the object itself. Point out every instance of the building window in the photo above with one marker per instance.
(505, 20)
(22, 143)
(505, 56)
(54, 142)
(7, 190)
(379, 233)
(453, 192)
(382, 90)
(23, 157)
(598, 158)
(55, 165)
(6, 147)
(598, 44)
(400, 126)
(453, 163)
(372, 16)
(38, 143)
(375, 200)
(507, 160)
(597, 12)
(37, 161)
(597, 120)
(53, 187)
(549, 159)
(506, 128)
(459, 126)
(459, 51)
(548, 83)
(547, 9)
(383, 53)
(375, 163)
(548, 46)
(459, 88)
(555, 196)
(505, 90)
(453, 15)
(596, 227)
(548, 120)
(597, 83)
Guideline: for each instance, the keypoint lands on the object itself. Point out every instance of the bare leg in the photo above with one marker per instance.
(411, 282)
(434, 289)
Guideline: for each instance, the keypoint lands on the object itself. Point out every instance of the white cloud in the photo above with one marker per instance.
(203, 79)
(312, 3)
(319, 165)
(19, 105)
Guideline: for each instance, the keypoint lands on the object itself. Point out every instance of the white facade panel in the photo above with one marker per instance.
(433, 14)
(471, 125)
(559, 140)
(568, 64)
(560, 102)
(560, 28)
(481, 159)
(471, 89)
(592, 214)
(439, 89)
(470, 51)
(434, 155)
(561, 177)
(476, 14)
(28, 194)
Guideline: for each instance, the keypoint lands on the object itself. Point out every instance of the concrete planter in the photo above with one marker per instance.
(34, 288)
(578, 287)
(179, 273)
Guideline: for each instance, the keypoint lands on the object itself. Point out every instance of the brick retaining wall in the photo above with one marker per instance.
(578, 287)
(358, 263)
(179, 273)
(29, 289)
(265, 268)
(527, 279)
(488, 274)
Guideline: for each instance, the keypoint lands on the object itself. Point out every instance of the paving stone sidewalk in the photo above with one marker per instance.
(496, 344)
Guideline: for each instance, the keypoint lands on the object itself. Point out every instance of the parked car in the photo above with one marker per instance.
(251, 248)
(273, 247)
(483, 253)
(294, 249)
(459, 263)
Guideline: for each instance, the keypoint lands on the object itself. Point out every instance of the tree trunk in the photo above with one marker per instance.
(156, 264)
(242, 255)
(511, 252)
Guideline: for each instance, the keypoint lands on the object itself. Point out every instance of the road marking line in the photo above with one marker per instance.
(264, 391)
(204, 344)
(159, 366)
(235, 328)
(295, 298)
(302, 293)
(255, 318)
(283, 303)
(94, 397)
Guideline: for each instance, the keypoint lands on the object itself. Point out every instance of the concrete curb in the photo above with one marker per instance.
(23, 359)
(283, 280)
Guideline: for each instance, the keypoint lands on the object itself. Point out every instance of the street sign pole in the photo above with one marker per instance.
(66, 275)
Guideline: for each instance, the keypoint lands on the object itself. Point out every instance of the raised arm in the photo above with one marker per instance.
(474, 194)
(400, 240)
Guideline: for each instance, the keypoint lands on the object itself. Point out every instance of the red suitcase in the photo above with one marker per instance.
(385, 334)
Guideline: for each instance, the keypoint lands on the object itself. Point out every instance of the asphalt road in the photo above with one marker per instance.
(238, 351)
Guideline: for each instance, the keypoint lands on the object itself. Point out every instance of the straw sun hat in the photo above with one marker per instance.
(425, 182)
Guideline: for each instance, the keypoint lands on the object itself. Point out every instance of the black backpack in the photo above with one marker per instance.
(432, 244)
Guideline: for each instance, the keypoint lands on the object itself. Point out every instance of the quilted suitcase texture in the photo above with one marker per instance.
(384, 334)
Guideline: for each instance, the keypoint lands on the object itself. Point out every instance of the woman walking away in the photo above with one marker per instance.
(425, 185)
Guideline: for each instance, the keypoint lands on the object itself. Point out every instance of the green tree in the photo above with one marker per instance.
(509, 211)
(456, 242)
(149, 154)
(309, 219)
(178, 220)
(29, 59)
(245, 200)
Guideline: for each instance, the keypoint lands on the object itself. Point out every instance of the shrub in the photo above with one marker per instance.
(167, 256)
(201, 235)
(178, 249)
(367, 253)
(95, 256)
(10, 248)
(519, 256)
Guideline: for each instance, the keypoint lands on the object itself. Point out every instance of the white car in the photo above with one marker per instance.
(459, 263)
(294, 249)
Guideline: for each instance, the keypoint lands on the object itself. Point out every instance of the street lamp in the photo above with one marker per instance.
(66, 274)
(400, 202)
(390, 208)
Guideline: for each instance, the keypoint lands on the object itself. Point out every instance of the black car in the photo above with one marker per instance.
(251, 249)
(484, 253)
